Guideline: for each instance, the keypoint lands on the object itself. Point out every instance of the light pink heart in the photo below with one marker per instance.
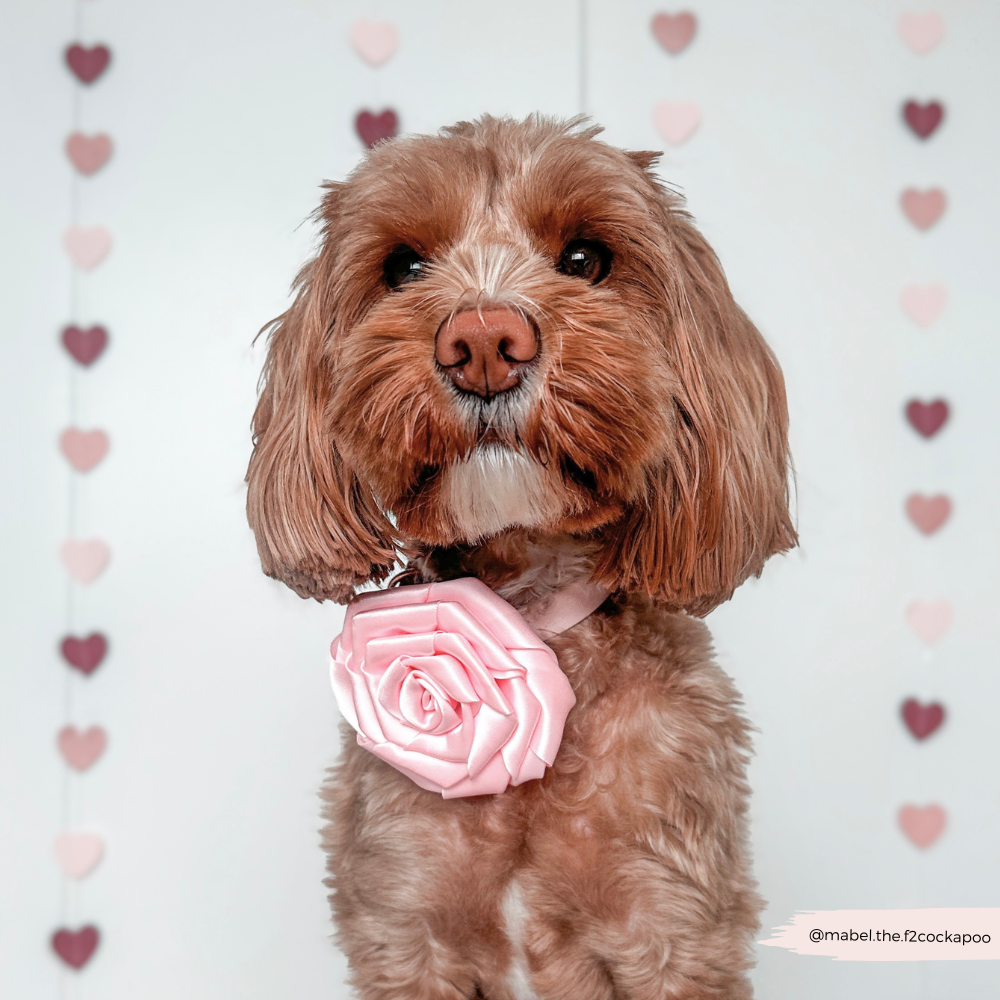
(921, 31)
(83, 449)
(82, 749)
(85, 560)
(928, 513)
(88, 153)
(79, 853)
(674, 31)
(922, 824)
(923, 303)
(676, 121)
(87, 246)
(374, 41)
(923, 208)
(929, 619)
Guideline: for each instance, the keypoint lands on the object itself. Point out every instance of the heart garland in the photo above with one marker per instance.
(923, 304)
(78, 853)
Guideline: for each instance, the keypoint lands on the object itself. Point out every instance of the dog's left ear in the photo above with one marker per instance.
(717, 507)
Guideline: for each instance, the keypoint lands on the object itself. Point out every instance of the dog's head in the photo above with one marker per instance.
(513, 325)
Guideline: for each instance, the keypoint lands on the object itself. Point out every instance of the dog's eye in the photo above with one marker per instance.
(586, 259)
(403, 266)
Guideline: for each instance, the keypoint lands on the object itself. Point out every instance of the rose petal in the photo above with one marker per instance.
(380, 652)
(417, 707)
(340, 680)
(492, 731)
(448, 672)
(455, 745)
(453, 618)
(532, 767)
(491, 780)
(443, 773)
(552, 689)
(479, 673)
(527, 711)
(496, 615)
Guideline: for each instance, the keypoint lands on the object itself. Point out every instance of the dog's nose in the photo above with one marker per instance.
(484, 351)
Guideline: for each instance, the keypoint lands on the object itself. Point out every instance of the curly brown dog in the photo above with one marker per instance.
(515, 358)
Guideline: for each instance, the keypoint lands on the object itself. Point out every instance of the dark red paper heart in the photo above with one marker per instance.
(375, 128)
(76, 947)
(86, 346)
(84, 655)
(88, 64)
(927, 418)
(923, 119)
(922, 720)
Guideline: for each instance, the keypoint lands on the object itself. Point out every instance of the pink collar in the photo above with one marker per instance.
(560, 611)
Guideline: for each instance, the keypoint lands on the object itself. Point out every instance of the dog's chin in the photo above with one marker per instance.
(496, 488)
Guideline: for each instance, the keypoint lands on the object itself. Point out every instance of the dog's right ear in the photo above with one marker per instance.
(318, 529)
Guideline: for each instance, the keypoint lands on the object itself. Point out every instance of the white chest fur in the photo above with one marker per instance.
(515, 914)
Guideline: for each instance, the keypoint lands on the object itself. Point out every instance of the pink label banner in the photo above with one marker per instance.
(893, 935)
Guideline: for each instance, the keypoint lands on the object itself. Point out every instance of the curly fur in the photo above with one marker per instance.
(645, 447)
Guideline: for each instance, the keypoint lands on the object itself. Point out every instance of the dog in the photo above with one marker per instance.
(515, 358)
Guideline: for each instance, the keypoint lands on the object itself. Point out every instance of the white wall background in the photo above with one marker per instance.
(226, 116)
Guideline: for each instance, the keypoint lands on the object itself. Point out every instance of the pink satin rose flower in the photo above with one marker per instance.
(448, 684)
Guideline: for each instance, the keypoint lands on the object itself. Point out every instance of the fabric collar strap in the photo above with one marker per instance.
(560, 611)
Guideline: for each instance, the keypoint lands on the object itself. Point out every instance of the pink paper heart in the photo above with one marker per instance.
(923, 208)
(923, 825)
(78, 853)
(84, 655)
(83, 449)
(85, 346)
(374, 41)
(82, 749)
(928, 513)
(88, 153)
(674, 31)
(373, 129)
(87, 65)
(923, 303)
(76, 947)
(922, 720)
(929, 619)
(923, 119)
(921, 31)
(676, 121)
(927, 418)
(87, 247)
(85, 560)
